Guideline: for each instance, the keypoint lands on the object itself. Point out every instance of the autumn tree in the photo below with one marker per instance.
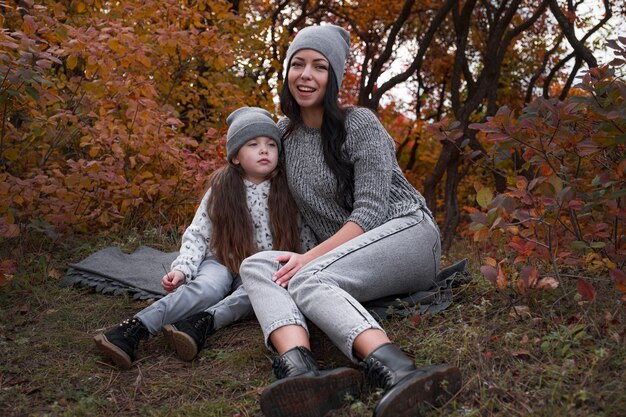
(465, 59)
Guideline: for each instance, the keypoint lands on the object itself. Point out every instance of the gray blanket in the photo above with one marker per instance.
(111, 271)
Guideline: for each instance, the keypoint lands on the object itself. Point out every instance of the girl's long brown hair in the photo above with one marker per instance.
(233, 232)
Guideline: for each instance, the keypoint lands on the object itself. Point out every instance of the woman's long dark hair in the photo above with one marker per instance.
(232, 239)
(333, 134)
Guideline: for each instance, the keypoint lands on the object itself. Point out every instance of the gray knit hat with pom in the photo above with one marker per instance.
(247, 123)
(331, 41)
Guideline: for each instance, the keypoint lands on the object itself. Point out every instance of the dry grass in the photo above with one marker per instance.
(547, 355)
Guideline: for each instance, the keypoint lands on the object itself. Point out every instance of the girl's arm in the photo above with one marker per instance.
(194, 243)
(293, 261)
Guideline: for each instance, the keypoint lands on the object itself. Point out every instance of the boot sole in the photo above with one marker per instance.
(421, 392)
(183, 344)
(117, 355)
(310, 396)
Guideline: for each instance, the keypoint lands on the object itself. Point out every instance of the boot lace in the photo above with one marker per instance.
(376, 373)
(204, 325)
(283, 368)
(132, 327)
(280, 367)
(201, 322)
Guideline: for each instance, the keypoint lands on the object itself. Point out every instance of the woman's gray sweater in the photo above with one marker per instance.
(381, 192)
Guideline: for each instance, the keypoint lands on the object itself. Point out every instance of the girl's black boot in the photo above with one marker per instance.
(188, 336)
(408, 390)
(120, 343)
(302, 390)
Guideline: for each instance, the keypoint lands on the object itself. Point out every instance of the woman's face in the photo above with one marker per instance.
(307, 78)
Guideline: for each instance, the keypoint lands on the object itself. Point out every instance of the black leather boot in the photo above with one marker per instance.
(408, 390)
(120, 344)
(302, 390)
(187, 336)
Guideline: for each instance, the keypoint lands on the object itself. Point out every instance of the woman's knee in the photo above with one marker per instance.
(303, 282)
(258, 266)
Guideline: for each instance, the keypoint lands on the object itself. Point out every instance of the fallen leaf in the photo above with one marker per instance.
(520, 312)
(501, 279)
(620, 279)
(54, 274)
(547, 282)
(585, 289)
(522, 354)
(7, 269)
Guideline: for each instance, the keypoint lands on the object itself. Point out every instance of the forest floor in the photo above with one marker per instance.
(544, 354)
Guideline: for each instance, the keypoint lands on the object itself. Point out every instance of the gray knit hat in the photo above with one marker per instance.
(331, 41)
(247, 123)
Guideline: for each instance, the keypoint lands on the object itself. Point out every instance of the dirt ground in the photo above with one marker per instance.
(549, 354)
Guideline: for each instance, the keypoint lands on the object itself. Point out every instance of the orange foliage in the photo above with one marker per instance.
(114, 113)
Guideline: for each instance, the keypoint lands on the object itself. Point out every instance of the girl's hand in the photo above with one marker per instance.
(172, 280)
(293, 262)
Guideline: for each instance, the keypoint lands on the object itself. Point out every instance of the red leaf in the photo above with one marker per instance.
(416, 319)
(501, 280)
(585, 289)
(620, 279)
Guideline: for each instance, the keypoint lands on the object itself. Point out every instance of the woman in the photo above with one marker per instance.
(377, 239)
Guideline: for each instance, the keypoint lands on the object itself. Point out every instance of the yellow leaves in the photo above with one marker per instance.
(11, 154)
(116, 47)
(490, 261)
(80, 7)
(135, 190)
(556, 182)
(482, 235)
(521, 182)
(71, 62)
(484, 197)
(219, 64)
(85, 183)
(144, 60)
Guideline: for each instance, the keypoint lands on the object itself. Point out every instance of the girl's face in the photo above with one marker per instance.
(258, 157)
(307, 79)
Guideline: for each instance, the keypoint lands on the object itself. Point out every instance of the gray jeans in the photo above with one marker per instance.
(401, 256)
(208, 291)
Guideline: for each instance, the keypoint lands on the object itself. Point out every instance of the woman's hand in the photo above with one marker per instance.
(172, 280)
(293, 262)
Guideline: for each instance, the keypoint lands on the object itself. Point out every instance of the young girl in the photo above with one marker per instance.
(248, 208)
(377, 237)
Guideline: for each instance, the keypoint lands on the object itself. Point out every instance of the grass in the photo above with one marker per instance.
(549, 354)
